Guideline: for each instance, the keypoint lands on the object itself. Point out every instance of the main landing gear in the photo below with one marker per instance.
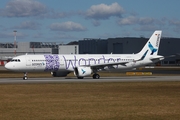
(96, 76)
(25, 76)
(80, 77)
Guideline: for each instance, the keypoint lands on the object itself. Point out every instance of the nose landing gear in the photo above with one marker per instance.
(25, 76)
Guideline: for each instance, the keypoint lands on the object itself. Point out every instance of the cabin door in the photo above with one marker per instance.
(28, 61)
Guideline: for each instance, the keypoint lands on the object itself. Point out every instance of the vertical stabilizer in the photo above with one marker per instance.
(152, 46)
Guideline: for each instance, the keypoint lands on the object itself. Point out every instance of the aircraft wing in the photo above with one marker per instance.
(108, 64)
(102, 65)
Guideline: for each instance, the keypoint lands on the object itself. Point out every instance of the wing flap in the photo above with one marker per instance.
(106, 64)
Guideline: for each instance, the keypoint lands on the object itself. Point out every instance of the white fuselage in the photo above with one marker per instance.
(54, 62)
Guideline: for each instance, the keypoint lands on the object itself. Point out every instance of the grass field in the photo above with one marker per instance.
(91, 101)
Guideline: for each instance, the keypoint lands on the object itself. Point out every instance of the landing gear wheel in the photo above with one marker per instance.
(96, 76)
(25, 78)
(80, 77)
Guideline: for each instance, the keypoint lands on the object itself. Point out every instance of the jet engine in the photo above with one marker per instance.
(82, 71)
(59, 74)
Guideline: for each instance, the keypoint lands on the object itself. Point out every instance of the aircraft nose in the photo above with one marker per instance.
(8, 66)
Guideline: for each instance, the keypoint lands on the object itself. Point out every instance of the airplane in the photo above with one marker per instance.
(87, 64)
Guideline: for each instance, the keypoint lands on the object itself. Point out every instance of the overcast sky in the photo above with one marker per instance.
(72, 20)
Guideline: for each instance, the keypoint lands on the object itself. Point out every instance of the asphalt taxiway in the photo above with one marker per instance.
(89, 79)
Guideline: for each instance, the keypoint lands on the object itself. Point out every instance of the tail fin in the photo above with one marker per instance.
(152, 45)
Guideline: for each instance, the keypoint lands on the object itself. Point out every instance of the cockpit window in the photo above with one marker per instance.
(15, 60)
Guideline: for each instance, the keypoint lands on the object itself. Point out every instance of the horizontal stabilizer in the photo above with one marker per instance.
(155, 58)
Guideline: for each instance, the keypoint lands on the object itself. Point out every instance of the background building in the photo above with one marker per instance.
(68, 49)
(93, 46)
(8, 50)
(126, 45)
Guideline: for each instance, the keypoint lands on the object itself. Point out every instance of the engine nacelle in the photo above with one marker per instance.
(59, 74)
(82, 71)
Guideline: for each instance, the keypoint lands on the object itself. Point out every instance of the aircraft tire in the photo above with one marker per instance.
(25, 78)
(96, 76)
(80, 77)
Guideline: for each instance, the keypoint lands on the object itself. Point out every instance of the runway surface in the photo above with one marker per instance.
(89, 79)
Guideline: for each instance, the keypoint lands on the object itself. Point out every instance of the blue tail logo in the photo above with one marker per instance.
(83, 71)
(153, 50)
(144, 55)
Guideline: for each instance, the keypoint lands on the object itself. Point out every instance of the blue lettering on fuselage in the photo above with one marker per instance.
(81, 61)
(102, 59)
(70, 62)
(92, 61)
(111, 59)
(74, 62)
